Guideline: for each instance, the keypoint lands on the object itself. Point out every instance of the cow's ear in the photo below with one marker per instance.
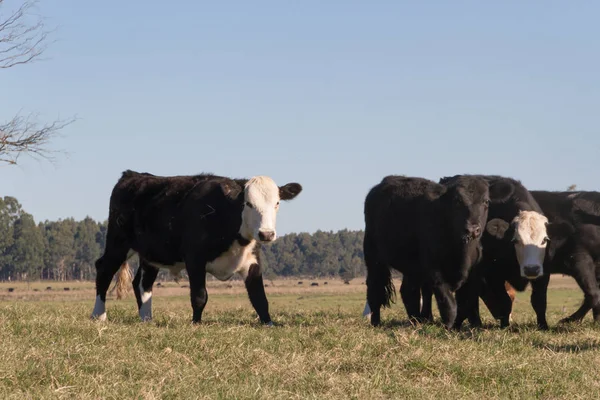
(289, 191)
(497, 228)
(501, 191)
(559, 230)
(230, 190)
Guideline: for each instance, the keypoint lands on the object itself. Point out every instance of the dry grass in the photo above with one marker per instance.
(321, 348)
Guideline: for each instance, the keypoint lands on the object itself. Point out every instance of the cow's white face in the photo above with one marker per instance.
(530, 241)
(261, 204)
(530, 238)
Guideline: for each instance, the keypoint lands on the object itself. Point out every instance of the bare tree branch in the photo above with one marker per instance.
(23, 39)
(23, 135)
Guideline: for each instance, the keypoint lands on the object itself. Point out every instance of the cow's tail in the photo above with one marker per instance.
(380, 286)
(124, 278)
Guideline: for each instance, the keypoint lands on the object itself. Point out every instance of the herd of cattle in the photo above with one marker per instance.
(461, 239)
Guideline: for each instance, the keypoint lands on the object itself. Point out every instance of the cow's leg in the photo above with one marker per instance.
(136, 286)
(585, 275)
(380, 287)
(496, 299)
(579, 314)
(539, 293)
(198, 296)
(107, 266)
(147, 278)
(255, 287)
(467, 301)
(446, 303)
(462, 305)
(426, 306)
(410, 291)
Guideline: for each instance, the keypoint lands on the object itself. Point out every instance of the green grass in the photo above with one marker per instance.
(321, 348)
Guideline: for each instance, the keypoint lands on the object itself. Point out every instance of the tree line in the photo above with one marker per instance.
(67, 250)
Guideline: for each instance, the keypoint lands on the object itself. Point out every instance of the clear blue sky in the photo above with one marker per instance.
(331, 94)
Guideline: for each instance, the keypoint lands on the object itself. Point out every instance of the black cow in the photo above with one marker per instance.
(516, 234)
(574, 250)
(203, 223)
(428, 232)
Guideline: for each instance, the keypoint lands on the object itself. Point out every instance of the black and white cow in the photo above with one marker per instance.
(203, 223)
(427, 231)
(574, 250)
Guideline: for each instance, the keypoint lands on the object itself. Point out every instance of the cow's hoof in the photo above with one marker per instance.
(567, 320)
(101, 317)
(270, 323)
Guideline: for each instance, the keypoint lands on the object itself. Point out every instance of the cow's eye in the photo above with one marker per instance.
(546, 240)
(515, 240)
(248, 204)
(277, 205)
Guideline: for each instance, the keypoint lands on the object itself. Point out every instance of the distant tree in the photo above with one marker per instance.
(60, 253)
(572, 188)
(86, 247)
(27, 251)
(23, 39)
(9, 213)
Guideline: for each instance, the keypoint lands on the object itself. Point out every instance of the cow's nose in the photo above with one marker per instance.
(532, 271)
(266, 236)
(474, 230)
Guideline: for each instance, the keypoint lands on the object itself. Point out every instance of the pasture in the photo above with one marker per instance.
(321, 348)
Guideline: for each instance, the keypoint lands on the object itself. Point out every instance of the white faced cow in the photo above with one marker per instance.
(529, 237)
(203, 223)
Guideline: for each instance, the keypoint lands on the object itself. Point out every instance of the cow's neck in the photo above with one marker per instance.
(243, 237)
(242, 241)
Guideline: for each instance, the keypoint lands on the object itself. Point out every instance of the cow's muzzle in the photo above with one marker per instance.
(472, 232)
(266, 236)
(532, 271)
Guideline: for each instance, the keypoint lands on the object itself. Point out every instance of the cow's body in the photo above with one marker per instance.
(428, 232)
(574, 250)
(202, 223)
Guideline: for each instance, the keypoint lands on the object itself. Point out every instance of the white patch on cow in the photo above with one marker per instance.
(367, 310)
(530, 242)
(99, 312)
(146, 308)
(237, 259)
(146, 297)
(261, 197)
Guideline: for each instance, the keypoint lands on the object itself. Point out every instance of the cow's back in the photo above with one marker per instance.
(161, 215)
(394, 208)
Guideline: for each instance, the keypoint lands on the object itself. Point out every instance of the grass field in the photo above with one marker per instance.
(322, 348)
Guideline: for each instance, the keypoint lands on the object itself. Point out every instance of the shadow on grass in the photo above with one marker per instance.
(586, 345)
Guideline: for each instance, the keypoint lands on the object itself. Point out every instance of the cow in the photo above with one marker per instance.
(428, 232)
(200, 223)
(516, 233)
(574, 250)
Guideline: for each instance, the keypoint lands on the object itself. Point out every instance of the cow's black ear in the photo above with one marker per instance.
(289, 191)
(559, 230)
(501, 191)
(497, 228)
(230, 190)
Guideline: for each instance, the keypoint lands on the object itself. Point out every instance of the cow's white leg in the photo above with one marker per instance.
(99, 312)
(367, 310)
(146, 308)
